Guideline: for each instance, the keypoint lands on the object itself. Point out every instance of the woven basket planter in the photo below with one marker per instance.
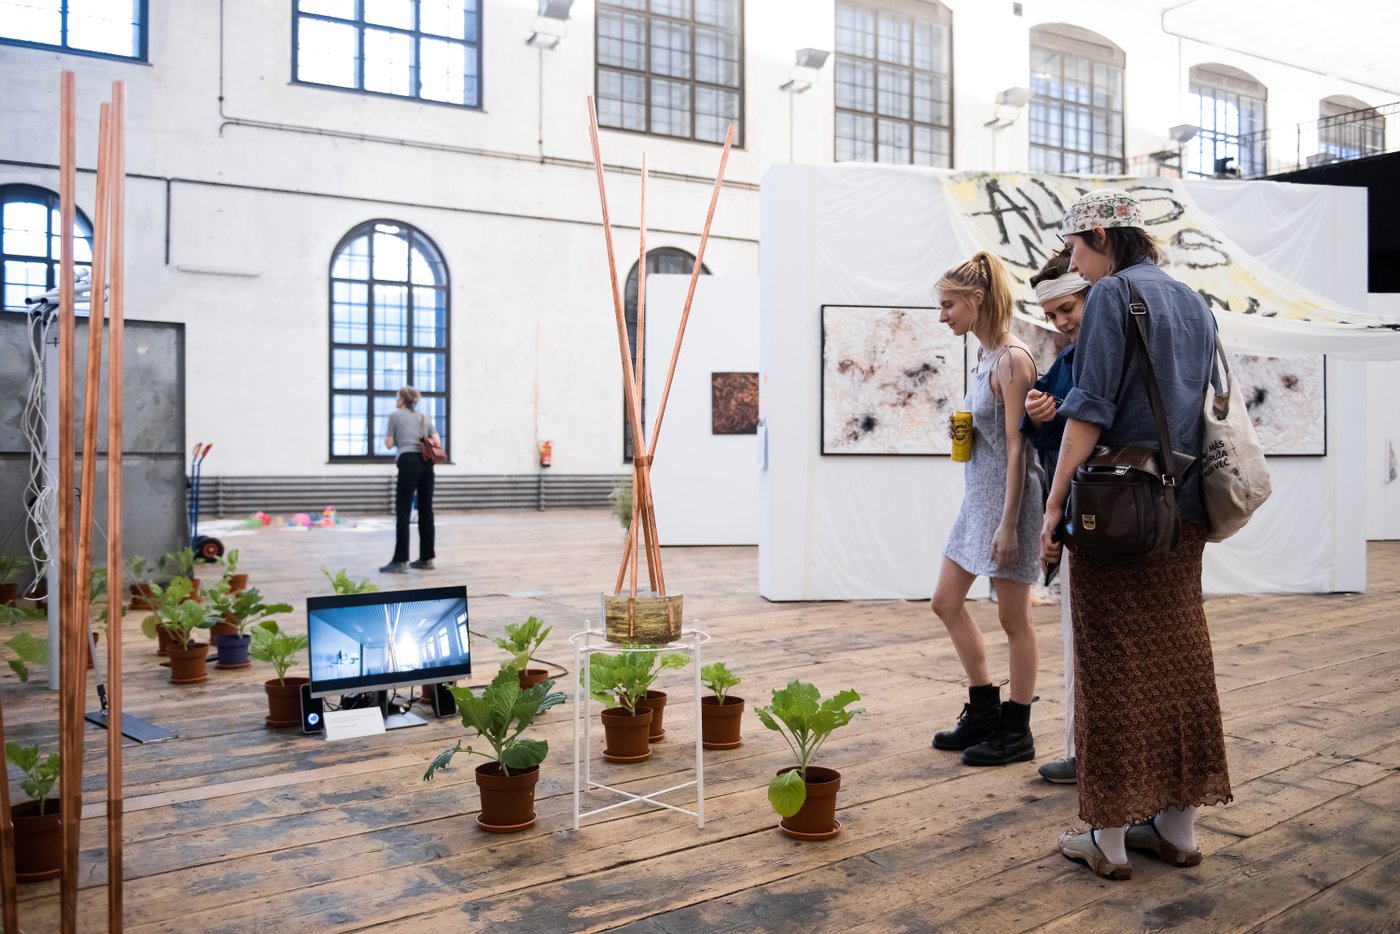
(647, 619)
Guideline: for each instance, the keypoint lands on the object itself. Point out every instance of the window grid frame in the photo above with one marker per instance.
(1096, 56)
(875, 115)
(647, 75)
(30, 193)
(416, 34)
(413, 237)
(143, 52)
(1255, 142)
(1346, 124)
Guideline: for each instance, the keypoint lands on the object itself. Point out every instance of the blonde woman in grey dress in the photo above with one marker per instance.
(996, 534)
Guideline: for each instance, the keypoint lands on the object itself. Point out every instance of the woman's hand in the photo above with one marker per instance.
(1040, 407)
(1004, 544)
(1049, 549)
(950, 425)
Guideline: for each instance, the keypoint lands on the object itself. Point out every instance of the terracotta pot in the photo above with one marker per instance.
(719, 723)
(38, 841)
(9, 592)
(529, 677)
(141, 597)
(816, 819)
(194, 590)
(164, 640)
(507, 801)
(626, 735)
(224, 627)
(232, 650)
(655, 701)
(96, 640)
(237, 583)
(187, 665)
(284, 701)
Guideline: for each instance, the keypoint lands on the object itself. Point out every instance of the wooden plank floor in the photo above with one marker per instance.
(232, 827)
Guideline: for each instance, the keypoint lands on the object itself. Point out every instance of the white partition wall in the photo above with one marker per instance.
(706, 484)
(861, 527)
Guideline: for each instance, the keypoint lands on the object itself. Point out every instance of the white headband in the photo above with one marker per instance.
(1048, 290)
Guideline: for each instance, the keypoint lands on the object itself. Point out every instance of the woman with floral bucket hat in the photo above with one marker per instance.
(1148, 731)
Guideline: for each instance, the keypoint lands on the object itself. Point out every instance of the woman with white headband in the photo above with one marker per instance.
(1061, 294)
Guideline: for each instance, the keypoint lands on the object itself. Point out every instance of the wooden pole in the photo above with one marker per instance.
(629, 379)
(640, 444)
(115, 351)
(690, 294)
(8, 892)
(70, 720)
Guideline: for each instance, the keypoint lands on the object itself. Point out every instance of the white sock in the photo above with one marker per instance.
(1178, 827)
(1112, 841)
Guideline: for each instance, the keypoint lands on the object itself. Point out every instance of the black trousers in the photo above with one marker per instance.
(415, 476)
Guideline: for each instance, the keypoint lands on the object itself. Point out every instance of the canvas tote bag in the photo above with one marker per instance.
(1234, 477)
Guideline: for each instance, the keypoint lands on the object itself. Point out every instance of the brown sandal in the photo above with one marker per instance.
(1149, 839)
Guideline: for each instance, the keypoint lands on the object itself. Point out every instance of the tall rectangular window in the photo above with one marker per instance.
(1076, 108)
(429, 50)
(671, 67)
(1229, 108)
(894, 83)
(109, 28)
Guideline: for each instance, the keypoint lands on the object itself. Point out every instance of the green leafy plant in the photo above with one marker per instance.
(176, 613)
(242, 609)
(40, 772)
(180, 562)
(801, 717)
(344, 583)
(25, 648)
(138, 570)
(622, 680)
(500, 717)
(99, 599)
(11, 566)
(719, 679)
(229, 560)
(621, 499)
(522, 640)
(270, 644)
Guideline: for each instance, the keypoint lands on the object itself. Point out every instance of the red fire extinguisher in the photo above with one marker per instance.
(546, 453)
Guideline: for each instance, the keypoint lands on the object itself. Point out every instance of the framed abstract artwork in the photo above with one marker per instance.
(891, 376)
(1287, 401)
(733, 403)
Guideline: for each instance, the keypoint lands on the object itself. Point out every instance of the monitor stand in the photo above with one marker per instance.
(396, 720)
(399, 721)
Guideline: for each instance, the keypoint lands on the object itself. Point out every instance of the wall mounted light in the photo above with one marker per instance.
(804, 74)
(551, 24)
(1183, 133)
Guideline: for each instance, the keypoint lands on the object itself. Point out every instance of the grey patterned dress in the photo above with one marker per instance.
(970, 543)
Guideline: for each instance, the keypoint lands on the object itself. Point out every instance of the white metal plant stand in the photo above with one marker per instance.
(588, 642)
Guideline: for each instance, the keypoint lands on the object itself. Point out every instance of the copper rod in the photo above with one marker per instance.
(640, 443)
(70, 720)
(629, 379)
(115, 351)
(648, 518)
(8, 891)
(690, 294)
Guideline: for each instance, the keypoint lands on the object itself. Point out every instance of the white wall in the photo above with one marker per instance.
(1382, 435)
(260, 178)
(705, 485)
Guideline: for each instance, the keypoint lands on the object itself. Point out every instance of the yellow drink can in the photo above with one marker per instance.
(962, 436)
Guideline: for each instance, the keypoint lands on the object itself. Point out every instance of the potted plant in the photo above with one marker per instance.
(38, 834)
(521, 641)
(139, 573)
(182, 563)
(236, 582)
(344, 583)
(655, 701)
(180, 616)
(721, 712)
(99, 604)
(804, 794)
(272, 645)
(500, 716)
(25, 648)
(621, 499)
(617, 682)
(11, 567)
(236, 611)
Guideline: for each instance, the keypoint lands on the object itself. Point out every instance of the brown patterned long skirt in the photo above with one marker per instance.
(1146, 711)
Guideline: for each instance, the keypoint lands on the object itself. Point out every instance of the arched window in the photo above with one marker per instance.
(389, 315)
(1348, 129)
(30, 243)
(894, 78)
(1076, 101)
(1229, 108)
(665, 260)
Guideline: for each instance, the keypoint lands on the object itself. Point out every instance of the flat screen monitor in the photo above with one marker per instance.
(394, 638)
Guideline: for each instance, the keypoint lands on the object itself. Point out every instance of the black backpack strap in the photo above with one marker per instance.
(1137, 313)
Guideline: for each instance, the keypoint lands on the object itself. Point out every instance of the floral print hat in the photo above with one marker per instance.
(1105, 207)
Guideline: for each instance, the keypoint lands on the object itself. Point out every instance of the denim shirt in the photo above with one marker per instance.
(1181, 345)
(1057, 381)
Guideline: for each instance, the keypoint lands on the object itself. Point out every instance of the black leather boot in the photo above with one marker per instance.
(978, 720)
(1010, 742)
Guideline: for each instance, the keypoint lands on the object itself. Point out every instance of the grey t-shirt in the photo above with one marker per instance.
(407, 428)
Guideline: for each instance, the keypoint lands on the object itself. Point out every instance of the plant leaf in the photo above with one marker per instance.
(441, 761)
(525, 754)
(787, 793)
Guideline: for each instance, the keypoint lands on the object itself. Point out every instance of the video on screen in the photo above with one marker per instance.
(380, 639)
